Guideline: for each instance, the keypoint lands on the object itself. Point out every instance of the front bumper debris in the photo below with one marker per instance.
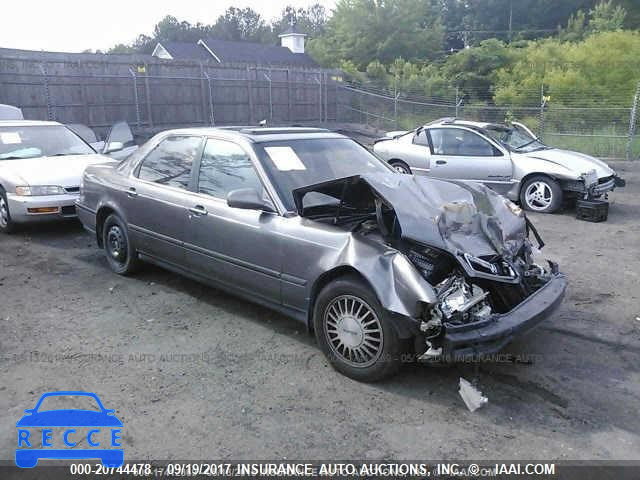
(486, 337)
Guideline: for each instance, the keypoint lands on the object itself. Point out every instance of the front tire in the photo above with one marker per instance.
(541, 194)
(6, 224)
(353, 332)
(120, 253)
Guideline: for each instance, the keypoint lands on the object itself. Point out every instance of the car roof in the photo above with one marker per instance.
(465, 123)
(260, 134)
(26, 123)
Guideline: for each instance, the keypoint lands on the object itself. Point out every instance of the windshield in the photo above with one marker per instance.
(40, 141)
(292, 164)
(515, 139)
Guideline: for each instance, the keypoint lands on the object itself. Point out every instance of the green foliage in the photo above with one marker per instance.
(606, 17)
(587, 70)
(363, 30)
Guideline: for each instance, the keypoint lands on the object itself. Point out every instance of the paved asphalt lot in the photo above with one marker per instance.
(194, 373)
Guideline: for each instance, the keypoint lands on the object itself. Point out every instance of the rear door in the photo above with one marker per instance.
(157, 201)
(462, 154)
(233, 246)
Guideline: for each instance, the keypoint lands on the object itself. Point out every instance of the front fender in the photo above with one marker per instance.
(397, 284)
(524, 166)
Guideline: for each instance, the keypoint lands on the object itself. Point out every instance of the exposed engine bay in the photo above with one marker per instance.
(473, 250)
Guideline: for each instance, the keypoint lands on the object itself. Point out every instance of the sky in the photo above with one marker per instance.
(74, 26)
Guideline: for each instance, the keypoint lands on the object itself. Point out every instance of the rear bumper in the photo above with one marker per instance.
(473, 341)
(21, 208)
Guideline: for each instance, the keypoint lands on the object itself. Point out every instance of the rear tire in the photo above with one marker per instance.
(542, 194)
(121, 255)
(353, 332)
(400, 167)
(6, 224)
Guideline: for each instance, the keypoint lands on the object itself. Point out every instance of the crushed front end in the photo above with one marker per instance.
(484, 303)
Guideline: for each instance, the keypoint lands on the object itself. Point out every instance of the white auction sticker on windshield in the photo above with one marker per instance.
(284, 158)
(10, 138)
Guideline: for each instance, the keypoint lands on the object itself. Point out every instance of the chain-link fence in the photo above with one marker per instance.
(604, 127)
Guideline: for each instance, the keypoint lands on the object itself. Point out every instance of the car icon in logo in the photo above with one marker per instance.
(29, 452)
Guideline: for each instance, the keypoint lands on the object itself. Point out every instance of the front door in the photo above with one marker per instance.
(461, 154)
(157, 205)
(232, 246)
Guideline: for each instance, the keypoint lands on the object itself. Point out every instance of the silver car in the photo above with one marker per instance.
(381, 266)
(509, 159)
(41, 164)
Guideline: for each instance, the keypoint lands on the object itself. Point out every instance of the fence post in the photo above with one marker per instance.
(457, 102)
(47, 93)
(543, 104)
(135, 95)
(147, 92)
(210, 86)
(250, 97)
(270, 98)
(632, 123)
(319, 82)
(395, 110)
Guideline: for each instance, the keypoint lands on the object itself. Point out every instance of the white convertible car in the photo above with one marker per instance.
(508, 158)
(41, 165)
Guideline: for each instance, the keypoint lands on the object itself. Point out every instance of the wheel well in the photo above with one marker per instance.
(325, 279)
(101, 216)
(535, 174)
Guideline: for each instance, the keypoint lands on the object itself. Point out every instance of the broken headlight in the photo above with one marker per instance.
(491, 266)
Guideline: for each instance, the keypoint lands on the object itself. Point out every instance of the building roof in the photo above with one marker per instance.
(228, 51)
(292, 30)
(186, 50)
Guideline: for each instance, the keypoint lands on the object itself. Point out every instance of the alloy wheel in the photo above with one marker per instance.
(353, 331)
(538, 196)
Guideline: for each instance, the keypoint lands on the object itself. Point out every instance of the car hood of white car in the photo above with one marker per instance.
(578, 163)
(63, 171)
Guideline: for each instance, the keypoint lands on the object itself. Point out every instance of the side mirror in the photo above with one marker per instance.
(113, 147)
(248, 199)
(29, 410)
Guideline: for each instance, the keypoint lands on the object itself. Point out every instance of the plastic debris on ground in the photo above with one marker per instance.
(472, 397)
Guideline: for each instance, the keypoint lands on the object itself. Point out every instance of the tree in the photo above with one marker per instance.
(310, 20)
(241, 24)
(606, 17)
(363, 30)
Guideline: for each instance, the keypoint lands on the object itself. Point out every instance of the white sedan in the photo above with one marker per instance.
(508, 158)
(41, 165)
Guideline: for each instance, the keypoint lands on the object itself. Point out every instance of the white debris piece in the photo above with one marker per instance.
(472, 397)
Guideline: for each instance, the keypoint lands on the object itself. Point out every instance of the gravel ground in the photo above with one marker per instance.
(194, 373)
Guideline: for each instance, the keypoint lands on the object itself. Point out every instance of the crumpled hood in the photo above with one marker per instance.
(63, 171)
(578, 163)
(454, 216)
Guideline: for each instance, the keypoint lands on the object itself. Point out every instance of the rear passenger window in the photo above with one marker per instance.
(225, 167)
(171, 161)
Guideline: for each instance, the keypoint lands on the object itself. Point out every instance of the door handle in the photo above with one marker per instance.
(440, 162)
(132, 192)
(198, 211)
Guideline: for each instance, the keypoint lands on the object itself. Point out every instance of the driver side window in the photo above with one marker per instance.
(459, 142)
(225, 167)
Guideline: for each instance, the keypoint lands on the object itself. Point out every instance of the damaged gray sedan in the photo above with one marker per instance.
(381, 266)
